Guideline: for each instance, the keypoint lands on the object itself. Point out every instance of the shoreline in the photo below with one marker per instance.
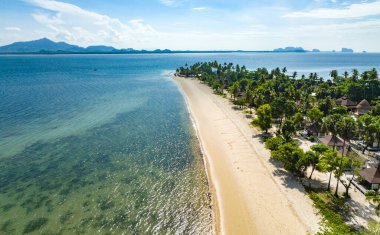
(215, 215)
(248, 196)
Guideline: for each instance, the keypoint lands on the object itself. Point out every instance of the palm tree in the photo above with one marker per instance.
(234, 90)
(347, 129)
(294, 74)
(355, 75)
(312, 160)
(345, 75)
(374, 196)
(330, 124)
(334, 75)
(367, 129)
(328, 163)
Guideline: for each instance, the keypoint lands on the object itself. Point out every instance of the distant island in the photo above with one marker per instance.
(47, 46)
(347, 50)
(300, 49)
(290, 49)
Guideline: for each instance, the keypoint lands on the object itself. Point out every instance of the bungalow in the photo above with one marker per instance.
(331, 141)
(371, 176)
(347, 150)
(349, 104)
(363, 107)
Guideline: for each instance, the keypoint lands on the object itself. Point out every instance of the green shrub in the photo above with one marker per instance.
(332, 221)
(370, 193)
(273, 143)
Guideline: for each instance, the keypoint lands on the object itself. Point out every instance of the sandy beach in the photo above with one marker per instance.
(250, 194)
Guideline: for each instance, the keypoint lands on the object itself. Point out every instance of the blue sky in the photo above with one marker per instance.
(195, 24)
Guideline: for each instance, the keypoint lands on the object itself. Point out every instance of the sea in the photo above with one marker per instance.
(104, 144)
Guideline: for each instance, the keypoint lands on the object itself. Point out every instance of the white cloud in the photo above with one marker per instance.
(353, 27)
(172, 3)
(199, 8)
(73, 24)
(363, 9)
(168, 2)
(14, 29)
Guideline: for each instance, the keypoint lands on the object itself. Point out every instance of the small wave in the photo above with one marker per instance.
(167, 73)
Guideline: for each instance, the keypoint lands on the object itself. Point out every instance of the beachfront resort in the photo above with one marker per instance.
(194, 117)
(321, 137)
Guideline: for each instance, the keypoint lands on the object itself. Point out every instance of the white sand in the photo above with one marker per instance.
(252, 196)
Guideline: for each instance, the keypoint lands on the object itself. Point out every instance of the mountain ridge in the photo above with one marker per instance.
(47, 46)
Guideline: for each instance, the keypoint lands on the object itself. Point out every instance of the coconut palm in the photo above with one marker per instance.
(347, 128)
(328, 163)
(330, 124)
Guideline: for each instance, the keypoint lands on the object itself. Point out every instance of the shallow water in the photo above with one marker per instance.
(103, 144)
(101, 151)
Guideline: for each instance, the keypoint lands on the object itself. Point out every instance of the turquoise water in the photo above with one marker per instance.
(97, 145)
(103, 144)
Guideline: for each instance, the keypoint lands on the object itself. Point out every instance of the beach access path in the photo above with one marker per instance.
(251, 194)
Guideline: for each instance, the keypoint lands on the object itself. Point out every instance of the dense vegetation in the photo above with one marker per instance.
(261, 86)
(297, 103)
(332, 221)
(289, 104)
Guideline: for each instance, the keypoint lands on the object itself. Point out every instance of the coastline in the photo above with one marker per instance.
(215, 214)
(249, 194)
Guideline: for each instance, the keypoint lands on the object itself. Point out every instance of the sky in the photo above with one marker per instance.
(195, 24)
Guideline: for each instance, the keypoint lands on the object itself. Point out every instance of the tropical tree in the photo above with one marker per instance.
(278, 108)
(290, 155)
(374, 196)
(298, 119)
(249, 97)
(234, 90)
(294, 74)
(328, 163)
(216, 86)
(240, 102)
(274, 143)
(346, 129)
(290, 109)
(354, 167)
(334, 75)
(315, 116)
(320, 148)
(313, 157)
(326, 105)
(264, 118)
(342, 110)
(376, 110)
(259, 100)
(287, 130)
(310, 158)
(307, 101)
(345, 75)
(330, 124)
(367, 129)
(355, 75)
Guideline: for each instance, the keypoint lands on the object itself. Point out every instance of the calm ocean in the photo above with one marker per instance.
(103, 144)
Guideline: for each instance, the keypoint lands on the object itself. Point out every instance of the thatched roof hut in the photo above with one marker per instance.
(363, 107)
(329, 140)
(344, 101)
